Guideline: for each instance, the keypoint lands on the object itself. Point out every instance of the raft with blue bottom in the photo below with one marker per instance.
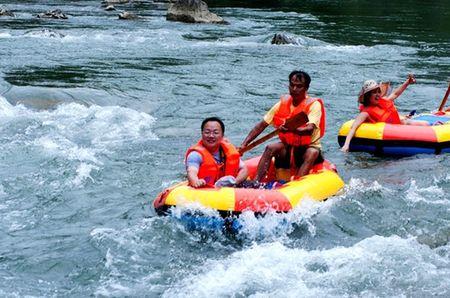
(322, 183)
(398, 139)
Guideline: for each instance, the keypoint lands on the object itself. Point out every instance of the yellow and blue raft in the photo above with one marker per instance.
(398, 139)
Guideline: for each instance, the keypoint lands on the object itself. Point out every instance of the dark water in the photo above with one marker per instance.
(94, 123)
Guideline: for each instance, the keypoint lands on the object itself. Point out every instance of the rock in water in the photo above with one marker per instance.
(6, 13)
(281, 38)
(192, 11)
(52, 14)
(125, 15)
(110, 7)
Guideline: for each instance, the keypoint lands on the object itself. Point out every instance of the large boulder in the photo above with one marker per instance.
(192, 11)
(52, 14)
(281, 38)
(5, 13)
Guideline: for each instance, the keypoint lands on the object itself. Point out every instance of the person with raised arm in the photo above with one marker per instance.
(375, 108)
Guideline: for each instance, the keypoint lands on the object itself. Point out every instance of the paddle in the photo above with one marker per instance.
(291, 124)
(444, 100)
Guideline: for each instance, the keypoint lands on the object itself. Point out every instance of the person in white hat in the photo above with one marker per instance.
(376, 108)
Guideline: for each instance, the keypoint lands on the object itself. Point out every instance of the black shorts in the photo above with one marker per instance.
(284, 163)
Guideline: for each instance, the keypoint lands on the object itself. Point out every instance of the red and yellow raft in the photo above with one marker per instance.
(401, 140)
(322, 182)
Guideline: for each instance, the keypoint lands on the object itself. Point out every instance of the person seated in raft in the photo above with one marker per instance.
(213, 160)
(297, 150)
(375, 108)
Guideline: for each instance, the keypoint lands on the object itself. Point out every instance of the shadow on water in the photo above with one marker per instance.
(151, 63)
(53, 76)
(425, 20)
(78, 76)
(35, 23)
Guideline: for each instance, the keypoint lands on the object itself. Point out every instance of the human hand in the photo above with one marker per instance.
(411, 78)
(225, 181)
(199, 183)
(240, 148)
(283, 128)
(345, 149)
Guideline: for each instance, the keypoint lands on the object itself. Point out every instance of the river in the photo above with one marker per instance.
(96, 114)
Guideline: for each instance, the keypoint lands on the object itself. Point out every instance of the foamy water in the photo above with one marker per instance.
(96, 114)
(79, 133)
(371, 267)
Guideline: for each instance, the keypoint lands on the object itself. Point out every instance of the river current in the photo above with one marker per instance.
(96, 114)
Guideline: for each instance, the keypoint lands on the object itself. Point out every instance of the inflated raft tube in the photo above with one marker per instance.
(398, 139)
(322, 182)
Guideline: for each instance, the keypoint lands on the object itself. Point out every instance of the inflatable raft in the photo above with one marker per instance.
(320, 184)
(398, 139)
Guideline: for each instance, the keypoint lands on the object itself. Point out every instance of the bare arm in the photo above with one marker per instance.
(256, 131)
(314, 116)
(399, 90)
(242, 174)
(360, 119)
(192, 174)
(306, 130)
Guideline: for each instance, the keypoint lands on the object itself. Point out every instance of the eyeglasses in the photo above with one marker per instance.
(208, 132)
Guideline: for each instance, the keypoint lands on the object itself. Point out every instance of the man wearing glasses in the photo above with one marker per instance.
(213, 161)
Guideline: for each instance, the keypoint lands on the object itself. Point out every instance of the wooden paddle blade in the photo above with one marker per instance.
(291, 124)
(258, 142)
(296, 121)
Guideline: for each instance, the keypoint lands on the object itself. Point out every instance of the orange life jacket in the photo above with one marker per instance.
(384, 111)
(209, 170)
(284, 113)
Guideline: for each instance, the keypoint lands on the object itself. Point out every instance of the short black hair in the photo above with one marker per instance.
(301, 74)
(215, 119)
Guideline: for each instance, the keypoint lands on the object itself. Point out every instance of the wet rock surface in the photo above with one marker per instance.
(126, 15)
(282, 38)
(110, 8)
(5, 13)
(52, 14)
(192, 11)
